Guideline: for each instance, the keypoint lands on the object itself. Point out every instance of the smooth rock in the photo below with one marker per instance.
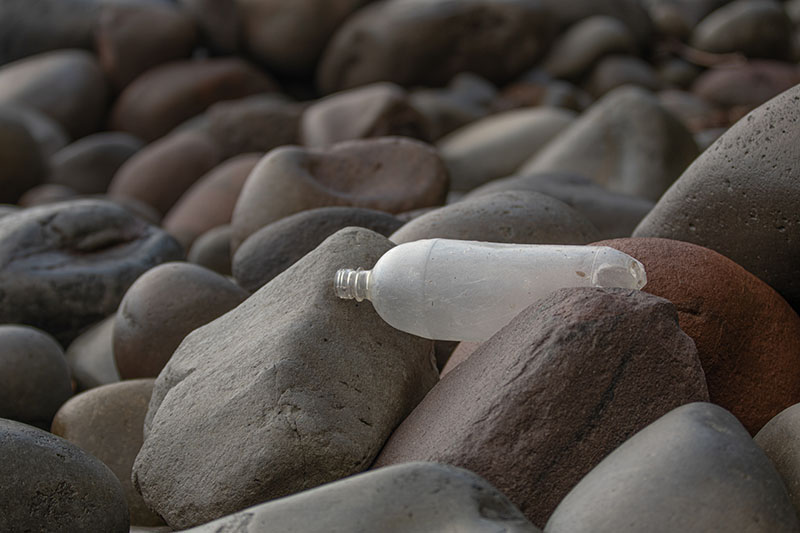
(163, 306)
(22, 166)
(409, 498)
(466, 98)
(163, 171)
(91, 356)
(677, 18)
(107, 422)
(307, 400)
(210, 201)
(50, 484)
(34, 376)
(428, 42)
(749, 84)
(46, 193)
(617, 70)
(755, 28)
(542, 402)
(88, 165)
(392, 174)
(523, 217)
(630, 12)
(377, 110)
(277, 246)
(65, 266)
(740, 197)
(66, 85)
(165, 96)
(695, 469)
(496, 146)
(613, 214)
(779, 440)
(747, 336)
(626, 142)
(48, 134)
(212, 250)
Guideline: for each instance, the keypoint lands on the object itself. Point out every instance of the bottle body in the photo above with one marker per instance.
(466, 290)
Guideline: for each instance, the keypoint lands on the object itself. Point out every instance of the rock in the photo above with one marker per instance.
(617, 70)
(47, 193)
(218, 23)
(21, 163)
(778, 438)
(212, 250)
(409, 498)
(746, 334)
(107, 422)
(533, 92)
(48, 134)
(626, 142)
(91, 356)
(466, 98)
(574, 375)
(392, 174)
(630, 12)
(584, 43)
(88, 165)
(496, 146)
(253, 124)
(34, 377)
(377, 110)
(163, 306)
(163, 171)
(696, 113)
(50, 484)
(132, 38)
(167, 95)
(677, 72)
(436, 40)
(706, 138)
(305, 401)
(65, 266)
(749, 84)
(677, 18)
(6, 209)
(210, 201)
(523, 217)
(755, 28)
(74, 75)
(289, 37)
(459, 355)
(711, 477)
(613, 214)
(277, 246)
(740, 197)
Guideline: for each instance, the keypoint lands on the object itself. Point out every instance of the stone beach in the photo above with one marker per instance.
(181, 180)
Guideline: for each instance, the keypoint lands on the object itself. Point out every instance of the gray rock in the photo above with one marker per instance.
(631, 12)
(626, 142)
(91, 356)
(7, 209)
(276, 247)
(779, 439)
(408, 498)
(292, 389)
(34, 377)
(22, 166)
(65, 266)
(523, 217)
(740, 197)
(50, 484)
(212, 250)
(695, 469)
(677, 18)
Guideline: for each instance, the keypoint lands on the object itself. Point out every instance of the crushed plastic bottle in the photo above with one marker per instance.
(454, 290)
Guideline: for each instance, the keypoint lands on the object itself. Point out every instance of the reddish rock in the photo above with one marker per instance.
(544, 400)
(747, 336)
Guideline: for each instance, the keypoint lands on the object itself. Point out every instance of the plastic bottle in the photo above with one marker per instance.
(454, 290)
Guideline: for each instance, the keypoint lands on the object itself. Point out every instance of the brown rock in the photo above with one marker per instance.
(546, 398)
(210, 201)
(108, 422)
(169, 94)
(392, 174)
(163, 306)
(747, 336)
(160, 173)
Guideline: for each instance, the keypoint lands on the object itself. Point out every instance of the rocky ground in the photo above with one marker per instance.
(181, 179)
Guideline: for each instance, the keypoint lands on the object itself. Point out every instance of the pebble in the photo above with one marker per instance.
(212, 250)
(91, 356)
(617, 70)
(238, 403)
(546, 398)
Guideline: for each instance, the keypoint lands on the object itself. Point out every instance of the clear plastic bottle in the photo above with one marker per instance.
(466, 290)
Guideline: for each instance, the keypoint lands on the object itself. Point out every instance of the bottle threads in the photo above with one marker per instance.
(352, 284)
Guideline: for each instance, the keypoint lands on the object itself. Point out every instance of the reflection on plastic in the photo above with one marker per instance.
(466, 291)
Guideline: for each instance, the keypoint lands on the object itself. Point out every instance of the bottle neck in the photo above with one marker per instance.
(352, 284)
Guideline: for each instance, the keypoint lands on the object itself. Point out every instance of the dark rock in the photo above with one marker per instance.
(466, 98)
(617, 70)
(779, 439)
(48, 134)
(218, 23)
(245, 413)
(91, 356)
(677, 18)
(21, 163)
(50, 484)
(34, 377)
(546, 398)
(163, 306)
(277, 246)
(631, 12)
(65, 266)
(212, 250)
(695, 469)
